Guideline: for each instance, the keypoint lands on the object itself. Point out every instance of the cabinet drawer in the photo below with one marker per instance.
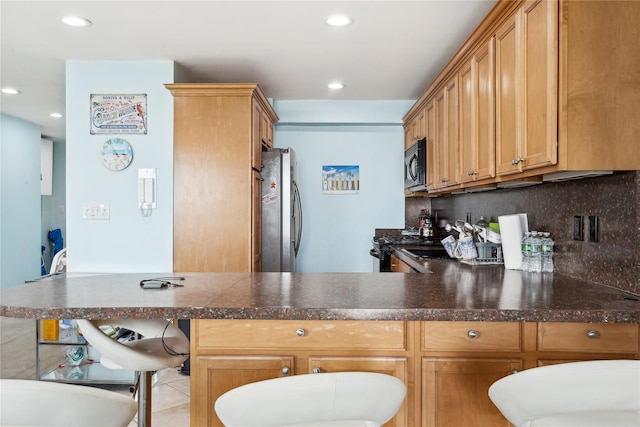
(588, 337)
(303, 334)
(470, 336)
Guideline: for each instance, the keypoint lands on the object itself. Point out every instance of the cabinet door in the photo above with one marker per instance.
(256, 143)
(454, 391)
(399, 266)
(266, 131)
(396, 366)
(215, 375)
(477, 127)
(415, 129)
(256, 222)
(507, 150)
(539, 83)
(446, 134)
(418, 126)
(432, 159)
(527, 88)
(451, 137)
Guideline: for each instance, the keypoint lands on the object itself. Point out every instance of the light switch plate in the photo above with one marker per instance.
(96, 211)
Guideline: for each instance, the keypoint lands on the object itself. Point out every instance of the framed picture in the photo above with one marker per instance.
(340, 179)
(119, 114)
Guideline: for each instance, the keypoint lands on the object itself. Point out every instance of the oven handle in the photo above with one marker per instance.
(376, 253)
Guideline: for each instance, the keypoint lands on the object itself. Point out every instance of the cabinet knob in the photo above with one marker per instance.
(316, 370)
(515, 371)
(593, 335)
(473, 334)
(300, 332)
(286, 370)
(444, 180)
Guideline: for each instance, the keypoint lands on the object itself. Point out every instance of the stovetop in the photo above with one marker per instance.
(406, 240)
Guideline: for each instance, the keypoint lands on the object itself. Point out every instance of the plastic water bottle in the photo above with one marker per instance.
(525, 249)
(535, 256)
(547, 253)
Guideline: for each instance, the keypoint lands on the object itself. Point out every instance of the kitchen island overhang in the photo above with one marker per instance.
(450, 291)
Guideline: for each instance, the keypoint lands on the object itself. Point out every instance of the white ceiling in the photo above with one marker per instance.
(392, 51)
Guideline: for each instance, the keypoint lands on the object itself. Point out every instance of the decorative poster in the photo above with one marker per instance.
(119, 114)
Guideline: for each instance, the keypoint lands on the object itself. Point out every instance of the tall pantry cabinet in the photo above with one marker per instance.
(219, 130)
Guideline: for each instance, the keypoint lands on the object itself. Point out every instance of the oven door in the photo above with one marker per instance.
(381, 259)
(415, 166)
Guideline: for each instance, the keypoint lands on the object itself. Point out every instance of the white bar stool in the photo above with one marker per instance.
(340, 399)
(44, 403)
(577, 394)
(162, 346)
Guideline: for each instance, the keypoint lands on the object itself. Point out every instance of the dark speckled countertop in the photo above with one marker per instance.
(447, 291)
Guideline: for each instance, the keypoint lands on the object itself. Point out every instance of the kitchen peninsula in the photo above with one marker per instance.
(448, 333)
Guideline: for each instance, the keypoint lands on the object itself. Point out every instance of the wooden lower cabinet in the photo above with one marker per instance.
(399, 266)
(454, 390)
(396, 366)
(447, 367)
(211, 376)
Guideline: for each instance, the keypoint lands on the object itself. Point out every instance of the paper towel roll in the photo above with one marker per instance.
(512, 228)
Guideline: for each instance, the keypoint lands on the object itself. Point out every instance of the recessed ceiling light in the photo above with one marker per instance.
(55, 115)
(335, 85)
(10, 91)
(75, 21)
(338, 21)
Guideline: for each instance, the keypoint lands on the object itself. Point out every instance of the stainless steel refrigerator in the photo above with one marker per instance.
(281, 210)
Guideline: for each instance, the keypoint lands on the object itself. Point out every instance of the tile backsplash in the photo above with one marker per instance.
(615, 199)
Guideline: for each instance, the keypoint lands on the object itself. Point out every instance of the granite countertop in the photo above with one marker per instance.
(447, 291)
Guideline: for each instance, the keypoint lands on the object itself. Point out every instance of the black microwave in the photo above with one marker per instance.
(415, 166)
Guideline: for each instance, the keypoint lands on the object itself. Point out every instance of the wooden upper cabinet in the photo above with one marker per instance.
(415, 129)
(432, 160)
(599, 92)
(477, 130)
(266, 131)
(256, 142)
(527, 88)
(446, 134)
(563, 99)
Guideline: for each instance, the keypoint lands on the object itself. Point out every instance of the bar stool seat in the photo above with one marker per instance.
(162, 346)
(339, 399)
(44, 403)
(589, 393)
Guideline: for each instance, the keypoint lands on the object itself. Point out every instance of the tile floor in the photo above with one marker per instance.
(170, 398)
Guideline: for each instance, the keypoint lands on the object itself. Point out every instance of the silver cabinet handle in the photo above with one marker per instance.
(473, 334)
(286, 370)
(593, 335)
(515, 371)
(316, 370)
(300, 332)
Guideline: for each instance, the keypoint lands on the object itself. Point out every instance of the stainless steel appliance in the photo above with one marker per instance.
(281, 210)
(415, 166)
(421, 248)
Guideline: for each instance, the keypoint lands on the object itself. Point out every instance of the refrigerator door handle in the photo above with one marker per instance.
(297, 218)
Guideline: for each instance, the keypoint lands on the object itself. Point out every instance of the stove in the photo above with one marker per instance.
(382, 248)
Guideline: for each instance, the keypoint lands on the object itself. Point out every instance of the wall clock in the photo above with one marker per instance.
(117, 154)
